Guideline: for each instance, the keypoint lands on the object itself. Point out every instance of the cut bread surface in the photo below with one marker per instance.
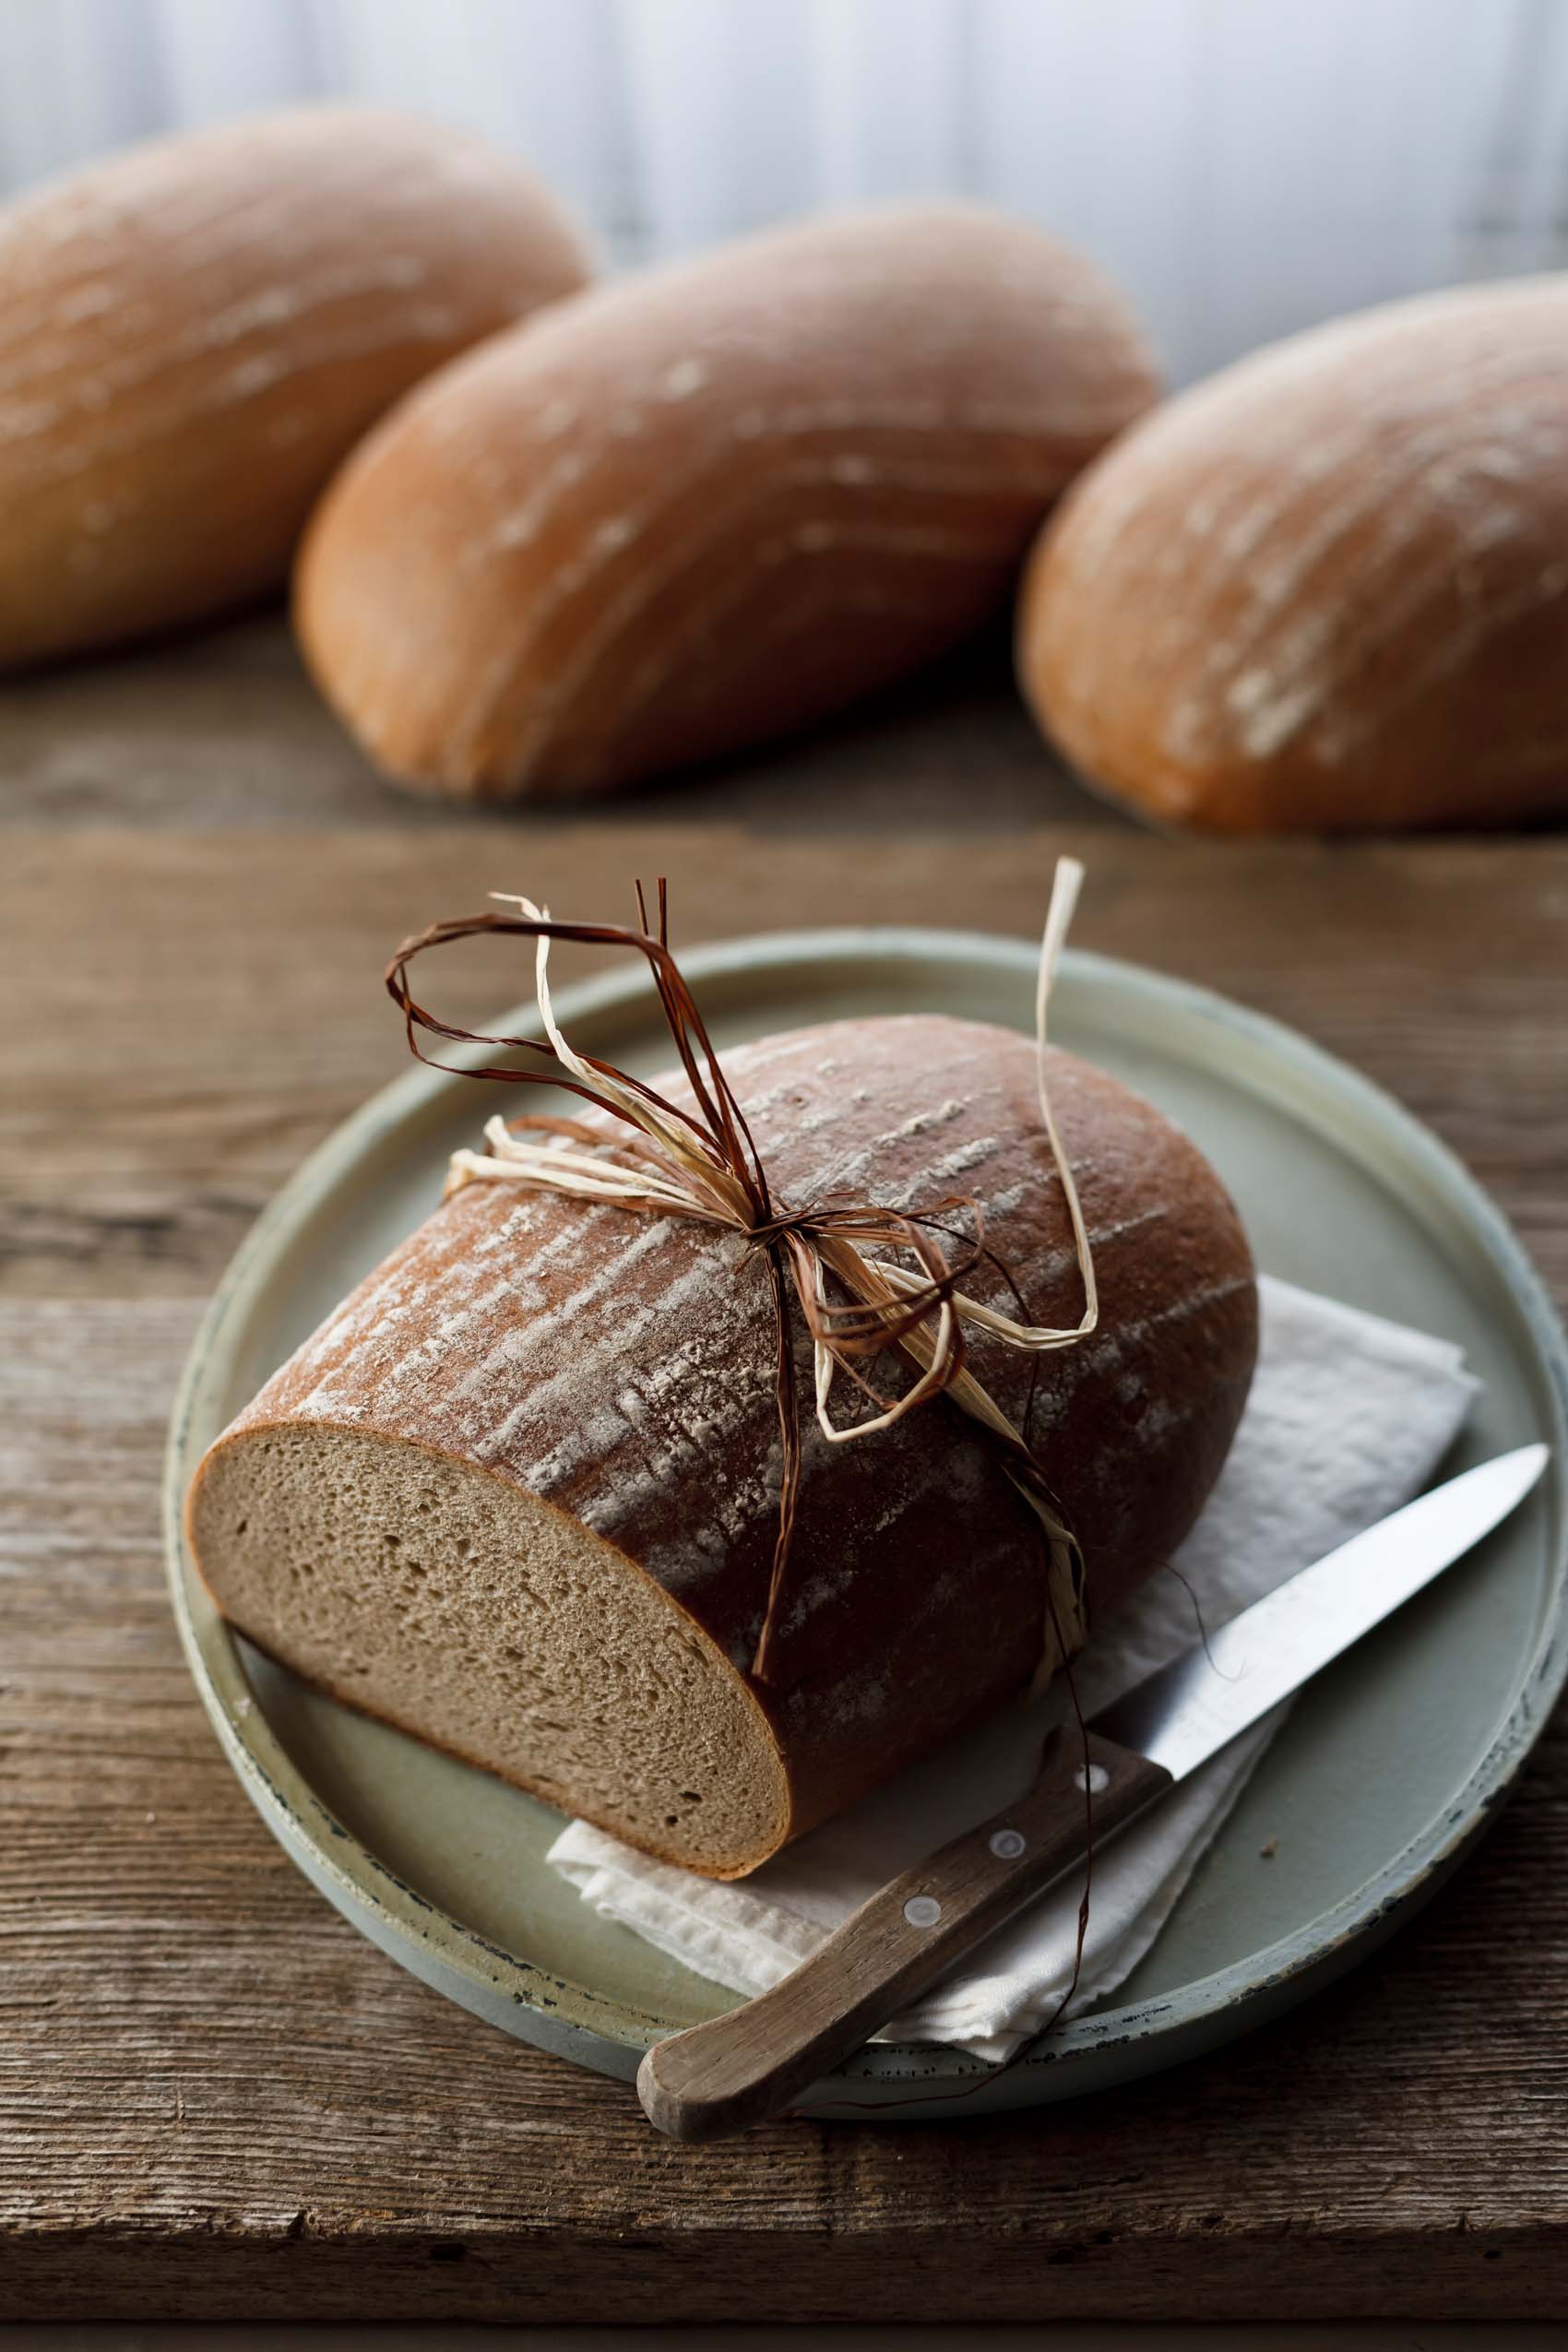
(448, 1602)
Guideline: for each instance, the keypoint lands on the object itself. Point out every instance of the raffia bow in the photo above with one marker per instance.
(705, 1165)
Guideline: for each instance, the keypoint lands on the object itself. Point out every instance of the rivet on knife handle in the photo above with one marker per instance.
(759, 2058)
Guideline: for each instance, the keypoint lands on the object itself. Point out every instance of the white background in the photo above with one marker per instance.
(1243, 166)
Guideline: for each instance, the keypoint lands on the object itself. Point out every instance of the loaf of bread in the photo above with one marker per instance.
(520, 1494)
(712, 503)
(1328, 589)
(193, 334)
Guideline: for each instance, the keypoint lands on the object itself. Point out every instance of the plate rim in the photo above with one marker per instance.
(596, 2029)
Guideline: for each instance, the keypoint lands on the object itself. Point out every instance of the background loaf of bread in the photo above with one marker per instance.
(709, 503)
(520, 1494)
(194, 333)
(1329, 588)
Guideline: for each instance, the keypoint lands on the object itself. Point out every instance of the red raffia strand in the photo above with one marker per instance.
(704, 1164)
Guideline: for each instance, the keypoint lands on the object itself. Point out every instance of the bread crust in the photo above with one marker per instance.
(619, 1367)
(1328, 589)
(711, 503)
(194, 333)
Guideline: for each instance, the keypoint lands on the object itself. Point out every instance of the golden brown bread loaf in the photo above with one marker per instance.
(710, 503)
(192, 335)
(1329, 588)
(520, 1494)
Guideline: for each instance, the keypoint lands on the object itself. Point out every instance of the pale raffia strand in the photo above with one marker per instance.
(677, 1173)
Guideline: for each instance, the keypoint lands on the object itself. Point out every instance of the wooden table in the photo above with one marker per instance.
(216, 2099)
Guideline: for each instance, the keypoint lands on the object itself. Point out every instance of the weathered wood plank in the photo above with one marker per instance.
(216, 2100)
(206, 1006)
(224, 728)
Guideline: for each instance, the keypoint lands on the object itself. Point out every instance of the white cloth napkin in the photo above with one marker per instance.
(1348, 1417)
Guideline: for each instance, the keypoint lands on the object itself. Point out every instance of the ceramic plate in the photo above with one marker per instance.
(443, 1867)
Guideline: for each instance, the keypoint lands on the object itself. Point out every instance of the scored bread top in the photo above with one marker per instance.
(1328, 589)
(194, 333)
(712, 501)
(621, 1366)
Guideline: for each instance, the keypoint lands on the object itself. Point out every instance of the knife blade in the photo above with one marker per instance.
(1187, 1711)
(756, 2058)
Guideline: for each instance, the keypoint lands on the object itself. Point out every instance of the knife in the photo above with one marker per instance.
(758, 2057)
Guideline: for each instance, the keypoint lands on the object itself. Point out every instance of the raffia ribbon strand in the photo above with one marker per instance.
(705, 1166)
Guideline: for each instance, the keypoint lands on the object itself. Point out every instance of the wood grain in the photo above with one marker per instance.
(216, 2099)
(211, 1004)
(225, 729)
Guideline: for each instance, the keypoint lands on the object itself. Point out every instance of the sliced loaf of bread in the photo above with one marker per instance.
(518, 1495)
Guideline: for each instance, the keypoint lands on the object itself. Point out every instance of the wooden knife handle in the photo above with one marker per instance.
(746, 2065)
